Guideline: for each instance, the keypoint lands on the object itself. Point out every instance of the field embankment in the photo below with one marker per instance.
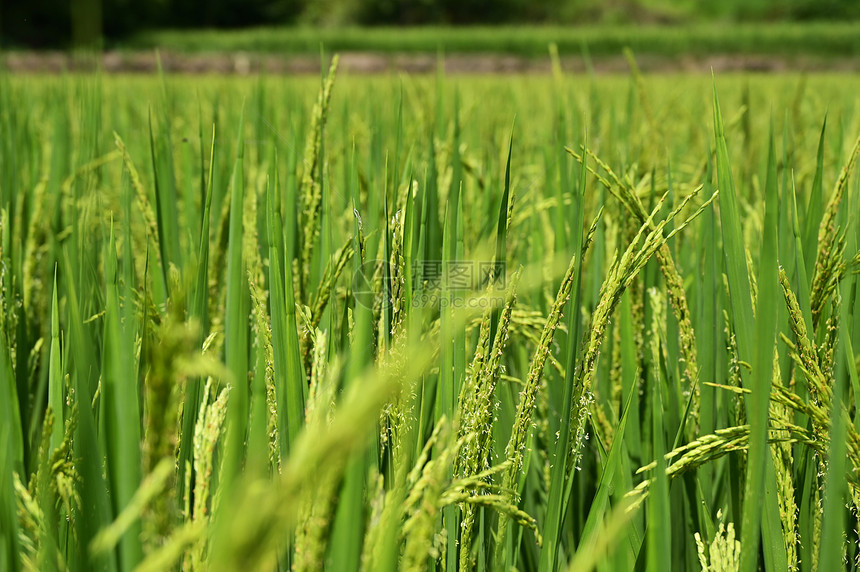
(696, 48)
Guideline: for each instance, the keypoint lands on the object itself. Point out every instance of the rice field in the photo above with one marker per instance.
(828, 39)
(429, 323)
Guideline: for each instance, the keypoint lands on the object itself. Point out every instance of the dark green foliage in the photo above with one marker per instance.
(64, 23)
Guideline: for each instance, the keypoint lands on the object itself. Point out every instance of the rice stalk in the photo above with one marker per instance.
(207, 433)
(624, 268)
(149, 217)
(674, 282)
(422, 505)
(829, 256)
(784, 465)
(522, 429)
(724, 552)
(476, 413)
(311, 192)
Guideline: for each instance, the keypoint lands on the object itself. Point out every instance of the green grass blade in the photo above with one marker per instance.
(409, 250)
(447, 386)
(166, 200)
(457, 258)
(502, 234)
(95, 500)
(607, 478)
(11, 413)
(815, 207)
(284, 341)
(757, 404)
(199, 312)
(733, 244)
(11, 456)
(387, 301)
(344, 551)
(709, 327)
(558, 487)
(236, 319)
(748, 332)
(56, 396)
(10, 549)
(835, 489)
(659, 542)
(120, 403)
(294, 385)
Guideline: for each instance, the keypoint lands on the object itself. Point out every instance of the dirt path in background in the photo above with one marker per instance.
(242, 63)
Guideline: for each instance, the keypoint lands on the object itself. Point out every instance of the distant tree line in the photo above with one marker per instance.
(62, 23)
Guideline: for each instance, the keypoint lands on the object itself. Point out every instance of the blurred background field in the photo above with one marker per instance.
(818, 38)
(668, 27)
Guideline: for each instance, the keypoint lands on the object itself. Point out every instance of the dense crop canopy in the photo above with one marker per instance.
(429, 323)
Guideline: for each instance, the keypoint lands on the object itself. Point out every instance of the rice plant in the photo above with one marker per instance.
(429, 323)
